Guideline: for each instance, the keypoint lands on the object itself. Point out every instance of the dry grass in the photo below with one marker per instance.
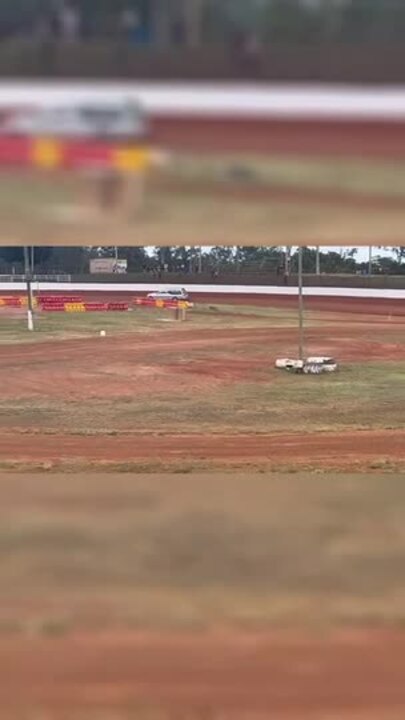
(384, 178)
(359, 398)
(65, 326)
(222, 385)
(170, 551)
(60, 210)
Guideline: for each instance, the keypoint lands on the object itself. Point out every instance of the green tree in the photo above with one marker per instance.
(399, 253)
(15, 255)
(69, 259)
(222, 257)
(331, 262)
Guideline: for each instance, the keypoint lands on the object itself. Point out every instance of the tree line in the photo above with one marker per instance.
(214, 260)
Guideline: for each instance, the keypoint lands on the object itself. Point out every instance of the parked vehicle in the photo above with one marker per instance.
(175, 294)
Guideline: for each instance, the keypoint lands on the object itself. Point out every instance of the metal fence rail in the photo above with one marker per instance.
(61, 277)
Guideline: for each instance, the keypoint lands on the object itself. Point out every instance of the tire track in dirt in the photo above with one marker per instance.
(351, 449)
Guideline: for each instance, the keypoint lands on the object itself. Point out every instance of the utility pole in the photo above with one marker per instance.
(287, 255)
(28, 279)
(300, 304)
(370, 260)
(318, 260)
(193, 11)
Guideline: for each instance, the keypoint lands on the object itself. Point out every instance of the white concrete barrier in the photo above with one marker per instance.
(208, 289)
(233, 100)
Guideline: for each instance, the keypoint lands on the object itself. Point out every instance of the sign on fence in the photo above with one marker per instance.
(107, 266)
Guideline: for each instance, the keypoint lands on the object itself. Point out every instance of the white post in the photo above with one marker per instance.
(287, 257)
(30, 314)
(300, 304)
(30, 317)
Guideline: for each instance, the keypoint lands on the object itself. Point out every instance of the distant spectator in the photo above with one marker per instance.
(68, 21)
(129, 24)
(247, 51)
(252, 52)
(179, 32)
(44, 28)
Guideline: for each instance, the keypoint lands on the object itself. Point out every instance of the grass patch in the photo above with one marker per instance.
(358, 397)
(340, 174)
(68, 326)
(207, 549)
(59, 208)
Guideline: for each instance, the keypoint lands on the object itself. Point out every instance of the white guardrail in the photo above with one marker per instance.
(207, 289)
(233, 100)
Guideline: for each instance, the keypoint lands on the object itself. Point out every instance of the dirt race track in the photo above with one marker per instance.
(309, 137)
(219, 676)
(337, 450)
(216, 675)
(349, 675)
(386, 308)
(363, 306)
(129, 366)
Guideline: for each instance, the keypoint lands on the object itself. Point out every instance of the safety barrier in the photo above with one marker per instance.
(118, 307)
(15, 301)
(85, 307)
(164, 304)
(63, 303)
(49, 154)
(180, 307)
(48, 299)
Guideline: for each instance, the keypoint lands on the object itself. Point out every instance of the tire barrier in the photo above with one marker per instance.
(118, 307)
(15, 301)
(164, 304)
(53, 154)
(63, 303)
(180, 307)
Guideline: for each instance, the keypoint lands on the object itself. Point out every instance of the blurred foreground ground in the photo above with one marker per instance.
(177, 596)
(243, 555)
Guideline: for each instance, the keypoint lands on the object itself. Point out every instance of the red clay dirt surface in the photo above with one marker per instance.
(214, 676)
(337, 450)
(129, 365)
(135, 365)
(218, 676)
(387, 308)
(284, 137)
